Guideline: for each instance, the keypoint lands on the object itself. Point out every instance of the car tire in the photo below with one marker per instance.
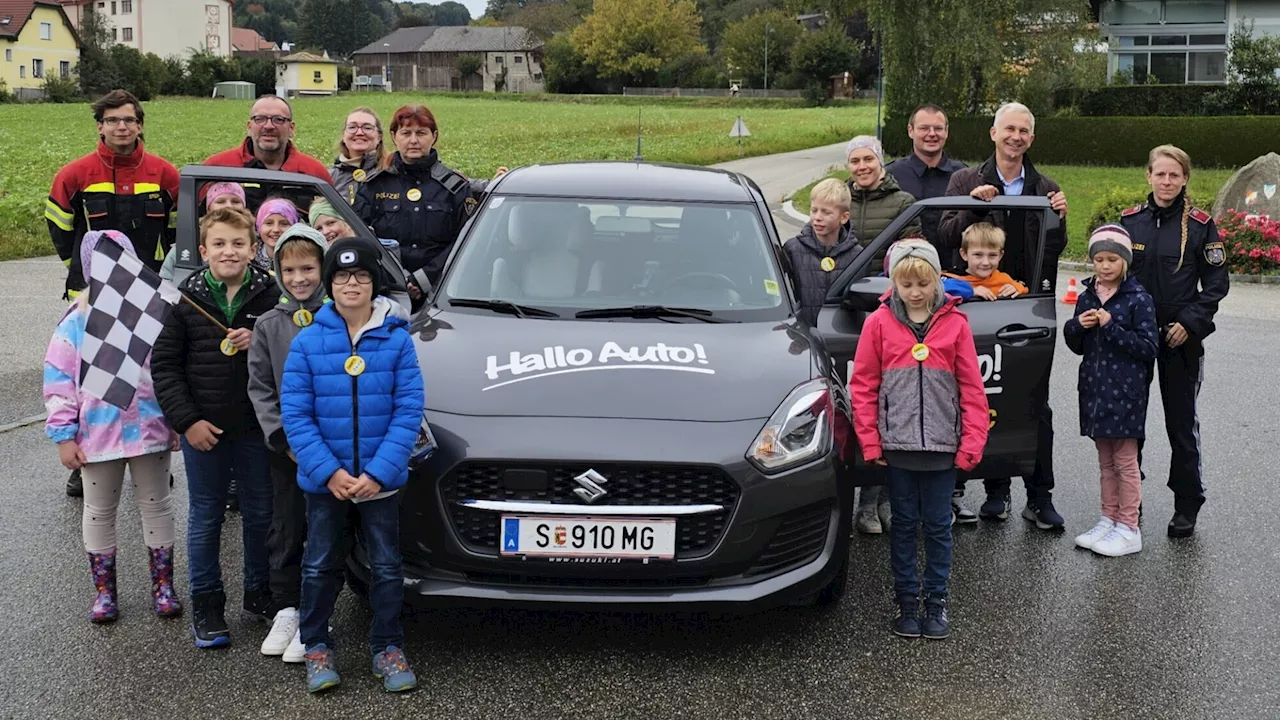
(831, 593)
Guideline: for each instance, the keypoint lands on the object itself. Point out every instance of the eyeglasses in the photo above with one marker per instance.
(342, 277)
(366, 128)
(114, 121)
(277, 120)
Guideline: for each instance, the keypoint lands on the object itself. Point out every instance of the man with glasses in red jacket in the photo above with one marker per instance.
(269, 146)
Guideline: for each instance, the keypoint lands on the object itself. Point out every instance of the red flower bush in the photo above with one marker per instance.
(1252, 242)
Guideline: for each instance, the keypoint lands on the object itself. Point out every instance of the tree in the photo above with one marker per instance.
(564, 68)
(1252, 62)
(743, 46)
(452, 13)
(630, 40)
(549, 17)
(718, 14)
(96, 72)
(818, 55)
(339, 26)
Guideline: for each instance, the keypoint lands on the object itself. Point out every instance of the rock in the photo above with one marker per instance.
(1254, 188)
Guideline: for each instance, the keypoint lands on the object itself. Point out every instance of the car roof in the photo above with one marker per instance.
(621, 180)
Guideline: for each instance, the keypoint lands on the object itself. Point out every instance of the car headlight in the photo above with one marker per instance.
(800, 430)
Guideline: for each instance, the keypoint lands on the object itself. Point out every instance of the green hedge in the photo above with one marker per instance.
(1135, 100)
(1114, 141)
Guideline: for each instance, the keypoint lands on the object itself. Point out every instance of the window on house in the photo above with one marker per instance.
(37, 68)
(1207, 67)
(126, 7)
(64, 68)
(115, 34)
(22, 71)
(128, 34)
(315, 77)
(1168, 39)
(101, 5)
(8, 54)
(46, 31)
(1208, 40)
(518, 59)
(497, 60)
(1134, 65)
(1169, 68)
(113, 7)
(1131, 12)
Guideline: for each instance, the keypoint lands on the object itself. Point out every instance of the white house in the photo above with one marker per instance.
(1179, 41)
(163, 27)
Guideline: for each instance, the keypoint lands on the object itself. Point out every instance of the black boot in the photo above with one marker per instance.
(75, 485)
(208, 624)
(257, 605)
(1183, 525)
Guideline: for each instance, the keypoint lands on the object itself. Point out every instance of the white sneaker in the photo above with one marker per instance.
(296, 652)
(283, 628)
(1099, 531)
(1122, 540)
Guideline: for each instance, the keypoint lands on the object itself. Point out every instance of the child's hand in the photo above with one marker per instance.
(1104, 317)
(340, 484)
(240, 337)
(365, 487)
(878, 462)
(1088, 319)
(70, 455)
(203, 435)
(984, 293)
(292, 457)
(1009, 290)
(174, 443)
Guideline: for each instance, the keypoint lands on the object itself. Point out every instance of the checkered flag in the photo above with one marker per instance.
(128, 305)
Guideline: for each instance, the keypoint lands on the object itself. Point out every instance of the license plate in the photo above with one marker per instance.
(552, 536)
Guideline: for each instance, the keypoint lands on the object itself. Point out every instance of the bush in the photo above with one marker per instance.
(61, 89)
(262, 73)
(1112, 141)
(1252, 242)
(1108, 209)
(5, 96)
(1135, 100)
(346, 77)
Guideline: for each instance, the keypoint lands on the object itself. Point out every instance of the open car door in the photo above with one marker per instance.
(1015, 337)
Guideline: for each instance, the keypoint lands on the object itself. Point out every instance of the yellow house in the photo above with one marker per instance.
(38, 41)
(305, 73)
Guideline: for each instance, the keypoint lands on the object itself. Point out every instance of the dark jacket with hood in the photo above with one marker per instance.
(272, 336)
(1115, 374)
(923, 182)
(806, 253)
(872, 210)
(1022, 229)
(193, 379)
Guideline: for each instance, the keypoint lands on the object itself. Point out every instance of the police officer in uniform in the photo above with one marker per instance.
(417, 200)
(1179, 259)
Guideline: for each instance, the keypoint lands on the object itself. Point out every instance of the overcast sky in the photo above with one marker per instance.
(475, 6)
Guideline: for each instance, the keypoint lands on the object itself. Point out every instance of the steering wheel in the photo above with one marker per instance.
(721, 281)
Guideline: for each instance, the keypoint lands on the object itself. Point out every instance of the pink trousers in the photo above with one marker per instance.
(1121, 479)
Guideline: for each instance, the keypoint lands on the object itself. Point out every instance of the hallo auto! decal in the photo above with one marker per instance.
(559, 360)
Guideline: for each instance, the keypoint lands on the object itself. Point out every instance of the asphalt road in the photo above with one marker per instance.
(1183, 630)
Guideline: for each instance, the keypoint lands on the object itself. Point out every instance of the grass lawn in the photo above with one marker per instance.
(1085, 186)
(477, 134)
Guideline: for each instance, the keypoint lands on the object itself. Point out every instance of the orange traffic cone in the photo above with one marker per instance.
(1072, 295)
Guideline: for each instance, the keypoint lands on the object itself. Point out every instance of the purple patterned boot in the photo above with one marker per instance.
(166, 602)
(103, 567)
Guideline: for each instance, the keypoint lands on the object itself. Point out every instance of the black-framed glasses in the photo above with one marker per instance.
(366, 128)
(114, 121)
(277, 120)
(342, 277)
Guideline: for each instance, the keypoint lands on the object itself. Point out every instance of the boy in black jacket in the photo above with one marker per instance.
(201, 378)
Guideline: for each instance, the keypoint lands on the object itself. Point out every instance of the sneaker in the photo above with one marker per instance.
(321, 674)
(907, 622)
(1182, 526)
(868, 521)
(996, 507)
(1122, 540)
(296, 652)
(283, 630)
(935, 625)
(1099, 531)
(75, 485)
(884, 512)
(1043, 514)
(257, 605)
(208, 624)
(961, 515)
(392, 666)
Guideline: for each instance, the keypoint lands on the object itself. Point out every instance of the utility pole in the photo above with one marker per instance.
(767, 30)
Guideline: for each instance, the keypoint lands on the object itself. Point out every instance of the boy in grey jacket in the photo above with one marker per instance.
(299, 256)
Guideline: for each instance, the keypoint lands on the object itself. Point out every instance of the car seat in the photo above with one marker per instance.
(541, 265)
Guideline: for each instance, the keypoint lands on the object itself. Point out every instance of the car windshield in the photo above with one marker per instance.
(575, 255)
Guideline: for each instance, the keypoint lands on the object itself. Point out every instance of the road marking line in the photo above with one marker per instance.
(24, 422)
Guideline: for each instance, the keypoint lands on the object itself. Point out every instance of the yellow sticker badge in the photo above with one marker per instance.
(414, 194)
(359, 175)
(920, 352)
(354, 365)
(828, 264)
(302, 318)
(771, 287)
(228, 348)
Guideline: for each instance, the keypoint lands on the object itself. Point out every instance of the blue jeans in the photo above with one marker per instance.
(329, 543)
(920, 499)
(208, 476)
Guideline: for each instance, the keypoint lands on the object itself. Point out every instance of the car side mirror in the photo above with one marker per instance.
(864, 293)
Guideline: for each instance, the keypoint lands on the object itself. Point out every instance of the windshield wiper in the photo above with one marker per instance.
(504, 306)
(652, 311)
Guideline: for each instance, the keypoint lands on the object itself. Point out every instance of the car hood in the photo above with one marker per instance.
(499, 365)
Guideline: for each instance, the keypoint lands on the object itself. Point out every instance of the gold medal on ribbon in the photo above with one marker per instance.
(302, 318)
(414, 195)
(228, 348)
(828, 264)
(354, 365)
(920, 352)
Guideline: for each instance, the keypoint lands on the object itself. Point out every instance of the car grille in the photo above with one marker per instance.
(798, 540)
(627, 485)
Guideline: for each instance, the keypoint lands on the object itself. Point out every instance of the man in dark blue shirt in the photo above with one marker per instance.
(927, 170)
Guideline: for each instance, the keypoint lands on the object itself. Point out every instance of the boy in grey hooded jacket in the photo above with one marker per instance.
(299, 256)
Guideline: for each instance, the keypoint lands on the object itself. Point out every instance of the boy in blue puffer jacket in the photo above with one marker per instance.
(351, 403)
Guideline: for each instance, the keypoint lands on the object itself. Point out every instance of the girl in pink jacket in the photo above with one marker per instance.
(100, 439)
(919, 408)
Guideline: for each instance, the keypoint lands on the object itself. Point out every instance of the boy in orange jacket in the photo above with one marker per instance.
(982, 249)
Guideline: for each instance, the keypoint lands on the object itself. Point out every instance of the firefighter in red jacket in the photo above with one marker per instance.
(269, 146)
(119, 186)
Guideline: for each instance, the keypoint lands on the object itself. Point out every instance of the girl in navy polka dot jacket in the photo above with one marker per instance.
(1114, 328)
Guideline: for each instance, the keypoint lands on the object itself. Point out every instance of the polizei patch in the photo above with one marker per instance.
(560, 360)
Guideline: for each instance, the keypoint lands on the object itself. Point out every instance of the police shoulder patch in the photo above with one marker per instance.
(1215, 253)
(1200, 216)
(1131, 211)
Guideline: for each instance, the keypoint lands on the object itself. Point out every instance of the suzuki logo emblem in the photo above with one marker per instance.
(590, 490)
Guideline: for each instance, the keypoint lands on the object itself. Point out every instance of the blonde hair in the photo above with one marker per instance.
(982, 235)
(1181, 157)
(235, 217)
(831, 192)
(915, 268)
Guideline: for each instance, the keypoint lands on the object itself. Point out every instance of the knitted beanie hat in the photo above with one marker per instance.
(865, 141)
(1112, 238)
